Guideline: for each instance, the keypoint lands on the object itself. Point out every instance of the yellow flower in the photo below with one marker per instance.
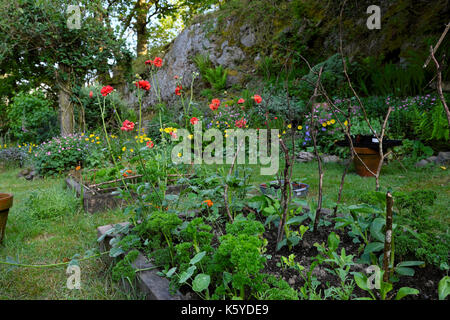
(284, 132)
(131, 150)
(333, 121)
(91, 135)
(98, 142)
(328, 122)
(324, 124)
(97, 138)
(299, 127)
(190, 136)
(20, 146)
(87, 139)
(161, 130)
(92, 141)
(179, 154)
(289, 126)
(226, 136)
(82, 134)
(443, 168)
(345, 123)
(123, 149)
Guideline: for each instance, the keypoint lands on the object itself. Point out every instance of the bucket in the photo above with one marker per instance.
(6, 202)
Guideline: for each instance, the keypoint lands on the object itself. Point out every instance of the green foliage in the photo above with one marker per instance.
(123, 268)
(13, 156)
(433, 124)
(60, 154)
(215, 76)
(332, 78)
(32, 118)
(413, 151)
(51, 204)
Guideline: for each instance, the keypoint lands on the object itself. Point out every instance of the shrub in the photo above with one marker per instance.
(60, 154)
(13, 156)
(31, 118)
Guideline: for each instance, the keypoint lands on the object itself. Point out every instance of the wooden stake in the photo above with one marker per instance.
(388, 237)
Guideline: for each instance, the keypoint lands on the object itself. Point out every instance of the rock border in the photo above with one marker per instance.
(147, 282)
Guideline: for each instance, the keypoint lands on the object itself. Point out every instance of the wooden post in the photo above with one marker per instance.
(388, 237)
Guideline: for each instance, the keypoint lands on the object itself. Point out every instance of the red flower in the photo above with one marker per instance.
(91, 94)
(173, 134)
(149, 62)
(241, 101)
(127, 126)
(150, 144)
(106, 90)
(194, 120)
(215, 103)
(257, 98)
(158, 62)
(178, 90)
(176, 77)
(275, 118)
(143, 84)
(241, 123)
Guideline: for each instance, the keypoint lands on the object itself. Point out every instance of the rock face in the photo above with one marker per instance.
(197, 39)
(441, 159)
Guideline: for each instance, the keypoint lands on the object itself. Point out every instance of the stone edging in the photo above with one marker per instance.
(147, 282)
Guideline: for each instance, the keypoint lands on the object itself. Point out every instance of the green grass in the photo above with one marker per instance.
(393, 177)
(49, 239)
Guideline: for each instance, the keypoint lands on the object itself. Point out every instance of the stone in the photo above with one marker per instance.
(443, 158)
(304, 156)
(291, 281)
(432, 159)
(249, 38)
(330, 159)
(421, 163)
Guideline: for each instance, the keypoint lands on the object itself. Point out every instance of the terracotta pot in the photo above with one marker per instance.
(6, 202)
(370, 157)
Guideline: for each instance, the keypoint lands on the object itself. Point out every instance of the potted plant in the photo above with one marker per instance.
(6, 202)
(366, 146)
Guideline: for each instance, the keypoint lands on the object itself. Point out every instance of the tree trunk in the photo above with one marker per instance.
(65, 106)
(141, 27)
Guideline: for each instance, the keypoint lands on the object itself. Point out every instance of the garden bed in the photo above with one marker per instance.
(99, 200)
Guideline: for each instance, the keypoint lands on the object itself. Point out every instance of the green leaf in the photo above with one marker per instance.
(444, 288)
(376, 229)
(361, 280)
(374, 247)
(297, 220)
(198, 257)
(187, 274)
(403, 271)
(405, 291)
(171, 272)
(201, 282)
(115, 252)
(333, 241)
(410, 263)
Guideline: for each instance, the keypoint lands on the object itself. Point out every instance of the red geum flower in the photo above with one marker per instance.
(257, 98)
(216, 102)
(176, 77)
(158, 62)
(149, 62)
(106, 90)
(213, 107)
(91, 94)
(143, 84)
(194, 120)
(150, 144)
(127, 126)
(241, 123)
(241, 101)
(178, 90)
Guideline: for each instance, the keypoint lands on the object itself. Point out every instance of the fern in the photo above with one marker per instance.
(217, 77)
(432, 125)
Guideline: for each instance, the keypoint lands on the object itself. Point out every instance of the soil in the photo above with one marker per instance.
(425, 279)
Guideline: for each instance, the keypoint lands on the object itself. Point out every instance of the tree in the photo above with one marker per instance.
(38, 48)
(139, 14)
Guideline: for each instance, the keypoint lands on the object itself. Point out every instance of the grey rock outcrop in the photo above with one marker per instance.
(198, 39)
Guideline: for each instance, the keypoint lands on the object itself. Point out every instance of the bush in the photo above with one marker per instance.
(51, 203)
(60, 154)
(31, 118)
(13, 156)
